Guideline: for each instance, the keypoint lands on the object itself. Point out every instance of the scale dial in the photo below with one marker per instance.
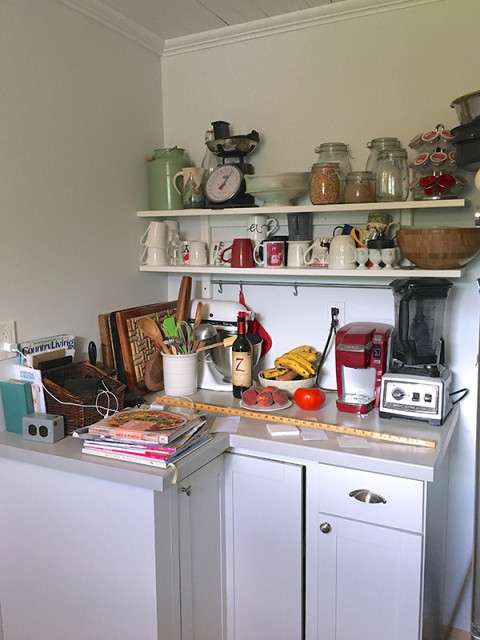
(224, 183)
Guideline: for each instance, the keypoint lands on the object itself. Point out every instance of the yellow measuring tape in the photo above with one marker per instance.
(298, 422)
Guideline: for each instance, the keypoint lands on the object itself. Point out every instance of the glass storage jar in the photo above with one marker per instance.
(325, 183)
(392, 175)
(376, 145)
(359, 187)
(335, 152)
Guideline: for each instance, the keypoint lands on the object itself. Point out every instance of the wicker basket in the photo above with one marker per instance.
(80, 411)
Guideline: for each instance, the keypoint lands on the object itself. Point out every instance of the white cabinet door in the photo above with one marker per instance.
(202, 555)
(369, 581)
(264, 514)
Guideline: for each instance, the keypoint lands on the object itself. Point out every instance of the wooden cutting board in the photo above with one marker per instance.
(135, 347)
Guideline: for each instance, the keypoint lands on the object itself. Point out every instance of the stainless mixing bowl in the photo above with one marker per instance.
(222, 356)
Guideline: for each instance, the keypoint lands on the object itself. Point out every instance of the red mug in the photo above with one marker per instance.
(241, 253)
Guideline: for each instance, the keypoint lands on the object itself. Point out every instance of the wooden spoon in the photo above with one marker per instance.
(151, 329)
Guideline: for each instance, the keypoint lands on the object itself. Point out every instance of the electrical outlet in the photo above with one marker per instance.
(7, 334)
(341, 313)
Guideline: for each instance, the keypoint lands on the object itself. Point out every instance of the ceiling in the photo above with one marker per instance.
(175, 18)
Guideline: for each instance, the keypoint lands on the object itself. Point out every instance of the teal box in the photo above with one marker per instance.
(17, 402)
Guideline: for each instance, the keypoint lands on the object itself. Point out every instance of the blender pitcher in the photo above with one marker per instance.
(420, 306)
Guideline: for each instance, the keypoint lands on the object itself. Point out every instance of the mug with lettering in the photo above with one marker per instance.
(259, 228)
(197, 253)
(319, 252)
(241, 255)
(273, 254)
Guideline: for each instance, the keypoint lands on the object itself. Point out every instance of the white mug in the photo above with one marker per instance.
(259, 228)
(197, 253)
(297, 250)
(153, 257)
(154, 235)
(342, 253)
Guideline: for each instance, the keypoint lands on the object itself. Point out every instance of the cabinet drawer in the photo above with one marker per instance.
(371, 497)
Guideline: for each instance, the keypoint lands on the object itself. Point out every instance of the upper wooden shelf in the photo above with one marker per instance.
(327, 208)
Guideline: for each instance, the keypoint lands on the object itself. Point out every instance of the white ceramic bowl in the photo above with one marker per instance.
(290, 386)
(278, 189)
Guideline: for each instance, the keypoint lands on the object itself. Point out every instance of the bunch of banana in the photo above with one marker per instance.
(299, 360)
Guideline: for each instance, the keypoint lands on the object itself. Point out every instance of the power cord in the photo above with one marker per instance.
(334, 313)
(103, 411)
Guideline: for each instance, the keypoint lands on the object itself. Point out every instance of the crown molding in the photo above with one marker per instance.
(304, 19)
(119, 23)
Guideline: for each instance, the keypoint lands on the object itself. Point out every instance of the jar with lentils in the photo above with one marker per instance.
(360, 187)
(325, 183)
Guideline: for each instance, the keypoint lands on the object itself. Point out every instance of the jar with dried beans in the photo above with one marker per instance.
(325, 183)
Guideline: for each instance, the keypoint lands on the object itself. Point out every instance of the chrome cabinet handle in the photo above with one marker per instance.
(364, 495)
(325, 527)
(187, 490)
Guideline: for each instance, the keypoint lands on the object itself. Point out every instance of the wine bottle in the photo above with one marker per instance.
(241, 359)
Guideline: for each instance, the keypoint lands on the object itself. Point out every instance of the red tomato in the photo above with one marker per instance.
(309, 399)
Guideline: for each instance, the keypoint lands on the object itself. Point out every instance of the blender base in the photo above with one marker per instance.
(417, 397)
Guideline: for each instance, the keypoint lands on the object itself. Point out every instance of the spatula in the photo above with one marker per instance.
(223, 343)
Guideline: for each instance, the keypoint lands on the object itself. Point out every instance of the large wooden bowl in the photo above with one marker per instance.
(449, 248)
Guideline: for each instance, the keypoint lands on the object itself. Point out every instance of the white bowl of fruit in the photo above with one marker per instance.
(293, 370)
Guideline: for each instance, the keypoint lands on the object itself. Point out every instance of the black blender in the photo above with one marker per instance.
(225, 186)
(418, 383)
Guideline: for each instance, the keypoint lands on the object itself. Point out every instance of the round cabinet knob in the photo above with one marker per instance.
(325, 527)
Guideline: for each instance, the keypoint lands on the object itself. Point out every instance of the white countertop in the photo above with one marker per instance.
(252, 437)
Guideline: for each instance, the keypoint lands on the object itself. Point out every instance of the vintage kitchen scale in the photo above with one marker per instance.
(418, 383)
(225, 186)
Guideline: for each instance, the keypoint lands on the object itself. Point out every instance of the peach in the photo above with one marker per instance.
(280, 396)
(264, 398)
(250, 397)
(270, 388)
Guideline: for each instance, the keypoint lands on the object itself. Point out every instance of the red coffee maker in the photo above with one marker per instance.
(362, 356)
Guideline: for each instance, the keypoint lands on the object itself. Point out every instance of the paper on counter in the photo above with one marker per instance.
(357, 442)
(225, 424)
(310, 433)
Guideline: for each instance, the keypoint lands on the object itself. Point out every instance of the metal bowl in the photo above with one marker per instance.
(467, 107)
(222, 356)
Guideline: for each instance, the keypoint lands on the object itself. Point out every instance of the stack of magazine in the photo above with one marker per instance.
(150, 437)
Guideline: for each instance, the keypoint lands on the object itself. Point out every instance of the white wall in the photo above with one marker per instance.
(385, 74)
(81, 109)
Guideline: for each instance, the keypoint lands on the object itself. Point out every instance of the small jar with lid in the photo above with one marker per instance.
(376, 145)
(325, 183)
(392, 175)
(359, 187)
